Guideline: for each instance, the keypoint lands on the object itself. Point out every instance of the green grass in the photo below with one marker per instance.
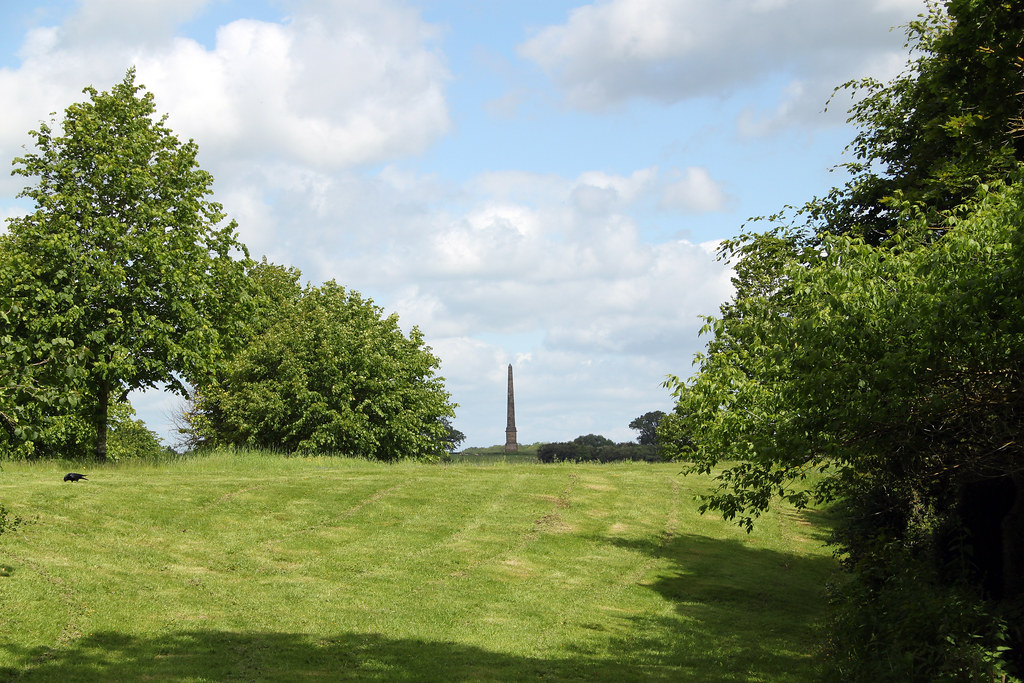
(256, 567)
(496, 454)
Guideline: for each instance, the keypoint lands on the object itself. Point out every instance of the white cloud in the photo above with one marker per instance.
(562, 275)
(326, 89)
(500, 266)
(511, 267)
(694, 192)
(339, 85)
(98, 23)
(671, 50)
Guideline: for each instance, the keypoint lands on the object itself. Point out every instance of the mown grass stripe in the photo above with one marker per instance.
(248, 567)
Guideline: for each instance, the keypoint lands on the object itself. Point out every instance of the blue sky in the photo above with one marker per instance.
(541, 183)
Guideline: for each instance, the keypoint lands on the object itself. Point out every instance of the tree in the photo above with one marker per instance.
(453, 438)
(124, 256)
(873, 350)
(328, 373)
(30, 371)
(647, 425)
(892, 379)
(883, 359)
(593, 440)
(739, 399)
(595, 448)
(930, 136)
(130, 438)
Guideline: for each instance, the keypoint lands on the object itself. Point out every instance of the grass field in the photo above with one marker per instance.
(256, 567)
(497, 454)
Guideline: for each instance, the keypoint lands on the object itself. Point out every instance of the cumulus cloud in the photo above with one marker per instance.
(337, 85)
(562, 275)
(513, 267)
(695, 192)
(527, 261)
(98, 23)
(522, 226)
(671, 50)
(328, 89)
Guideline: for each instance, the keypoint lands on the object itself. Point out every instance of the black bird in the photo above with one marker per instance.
(74, 476)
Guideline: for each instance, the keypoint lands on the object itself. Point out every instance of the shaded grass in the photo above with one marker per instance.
(258, 567)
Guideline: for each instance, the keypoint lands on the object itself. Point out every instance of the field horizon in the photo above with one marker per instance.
(260, 567)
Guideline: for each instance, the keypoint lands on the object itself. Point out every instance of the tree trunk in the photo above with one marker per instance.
(100, 419)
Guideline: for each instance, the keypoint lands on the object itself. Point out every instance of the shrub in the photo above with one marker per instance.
(582, 452)
(905, 625)
(130, 438)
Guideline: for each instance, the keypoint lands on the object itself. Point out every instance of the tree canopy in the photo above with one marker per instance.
(870, 362)
(647, 426)
(326, 371)
(124, 260)
(28, 377)
(929, 137)
(870, 357)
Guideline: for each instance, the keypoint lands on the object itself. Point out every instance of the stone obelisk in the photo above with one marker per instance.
(511, 445)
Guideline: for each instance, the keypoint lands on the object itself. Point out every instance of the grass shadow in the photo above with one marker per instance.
(200, 655)
(756, 613)
(737, 613)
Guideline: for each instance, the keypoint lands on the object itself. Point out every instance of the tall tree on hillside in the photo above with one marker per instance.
(124, 255)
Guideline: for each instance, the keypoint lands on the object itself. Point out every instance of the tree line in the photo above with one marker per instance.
(126, 275)
(870, 359)
(597, 448)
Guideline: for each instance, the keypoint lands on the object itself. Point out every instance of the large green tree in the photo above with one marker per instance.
(124, 256)
(29, 374)
(325, 371)
(902, 365)
(872, 348)
(950, 121)
(888, 380)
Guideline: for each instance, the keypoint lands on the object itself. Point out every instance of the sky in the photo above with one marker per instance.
(541, 183)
